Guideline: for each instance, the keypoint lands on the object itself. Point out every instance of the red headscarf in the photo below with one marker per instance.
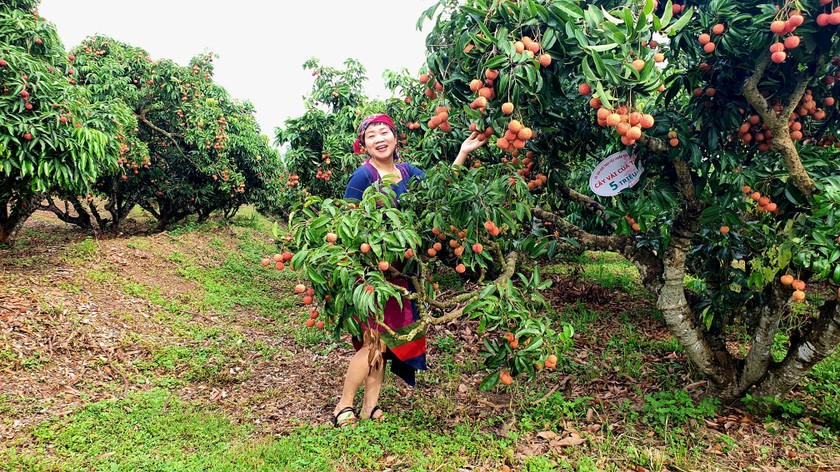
(367, 121)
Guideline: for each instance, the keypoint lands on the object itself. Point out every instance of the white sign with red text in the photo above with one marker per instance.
(614, 174)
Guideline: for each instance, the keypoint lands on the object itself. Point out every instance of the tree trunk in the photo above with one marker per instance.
(818, 342)
(12, 220)
(82, 219)
(679, 317)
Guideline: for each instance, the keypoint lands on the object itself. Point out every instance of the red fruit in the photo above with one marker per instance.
(287, 256)
(313, 314)
(384, 265)
(505, 378)
(365, 248)
(584, 89)
(787, 279)
(279, 266)
(3, 63)
(791, 42)
(300, 288)
(307, 300)
(320, 325)
(477, 248)
(724, 229)
(778, 27)
(460, 268)
(369, 289)
(798, 295)
(409, 253)
(27, 136)
(310, 323)
(332, 237)
(798, 285)
(778, 57)
(71, 58)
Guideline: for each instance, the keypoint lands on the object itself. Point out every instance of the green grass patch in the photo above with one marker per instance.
(607, 269)
(147, 431)
(156, 431)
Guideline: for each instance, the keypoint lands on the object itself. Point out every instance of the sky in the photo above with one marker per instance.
(261, 45)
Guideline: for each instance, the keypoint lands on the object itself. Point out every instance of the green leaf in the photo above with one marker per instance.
(679, 24)
(490, 381)
(314, 276)
(496, 62)
(600, 47)
(569, 8)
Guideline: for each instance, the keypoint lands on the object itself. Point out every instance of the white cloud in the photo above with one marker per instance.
(261, 45)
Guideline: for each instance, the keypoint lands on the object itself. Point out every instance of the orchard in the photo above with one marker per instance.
(728, 111)
(106, 127)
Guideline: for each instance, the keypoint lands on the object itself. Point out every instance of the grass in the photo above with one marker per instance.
(156, 431)
(607, 269)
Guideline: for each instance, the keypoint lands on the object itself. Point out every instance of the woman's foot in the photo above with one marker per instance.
(345, 417)
(377, 414)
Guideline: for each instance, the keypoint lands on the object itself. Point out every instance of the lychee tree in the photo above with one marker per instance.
(468, 223)
(729, 109)
(190, 150)
(53, 138)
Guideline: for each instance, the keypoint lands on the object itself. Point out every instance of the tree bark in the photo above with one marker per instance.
(82, 218)
(778, 125)
(12, 220)
(679, 317)
(819, 342)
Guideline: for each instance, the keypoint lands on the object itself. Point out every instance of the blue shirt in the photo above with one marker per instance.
(366, 175)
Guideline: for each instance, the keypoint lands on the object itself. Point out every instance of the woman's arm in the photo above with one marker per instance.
(473, 142)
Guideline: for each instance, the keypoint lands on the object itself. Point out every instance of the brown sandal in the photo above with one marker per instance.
(381, 416)
(345, 417)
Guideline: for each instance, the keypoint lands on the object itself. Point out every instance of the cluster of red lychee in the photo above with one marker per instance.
(705, 39)
(627, 124)
(633, 225)
(764, 204)
(828, 18)
(515, 137)
(440, 119)
(280, 260)
(484, 89)
(783, 27)
(432, 86)
(798, 286)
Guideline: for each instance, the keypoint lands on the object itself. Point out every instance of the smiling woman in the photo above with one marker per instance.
(238, 32)
(377, 138)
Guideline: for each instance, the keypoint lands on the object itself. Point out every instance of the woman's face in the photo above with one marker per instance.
(380, 142)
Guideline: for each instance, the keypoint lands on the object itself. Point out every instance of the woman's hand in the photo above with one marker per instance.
(473, 142)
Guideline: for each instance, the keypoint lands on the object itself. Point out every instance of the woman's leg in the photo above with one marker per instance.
(373, 385)
(357, 371)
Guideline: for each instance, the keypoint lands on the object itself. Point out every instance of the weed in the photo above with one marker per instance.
(666, 409)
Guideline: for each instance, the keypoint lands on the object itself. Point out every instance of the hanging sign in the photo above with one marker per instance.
(614, 174)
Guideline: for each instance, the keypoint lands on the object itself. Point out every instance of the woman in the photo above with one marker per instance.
(378, 139)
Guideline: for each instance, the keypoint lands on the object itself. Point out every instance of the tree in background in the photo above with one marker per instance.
(191, 149)
(53, 137)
